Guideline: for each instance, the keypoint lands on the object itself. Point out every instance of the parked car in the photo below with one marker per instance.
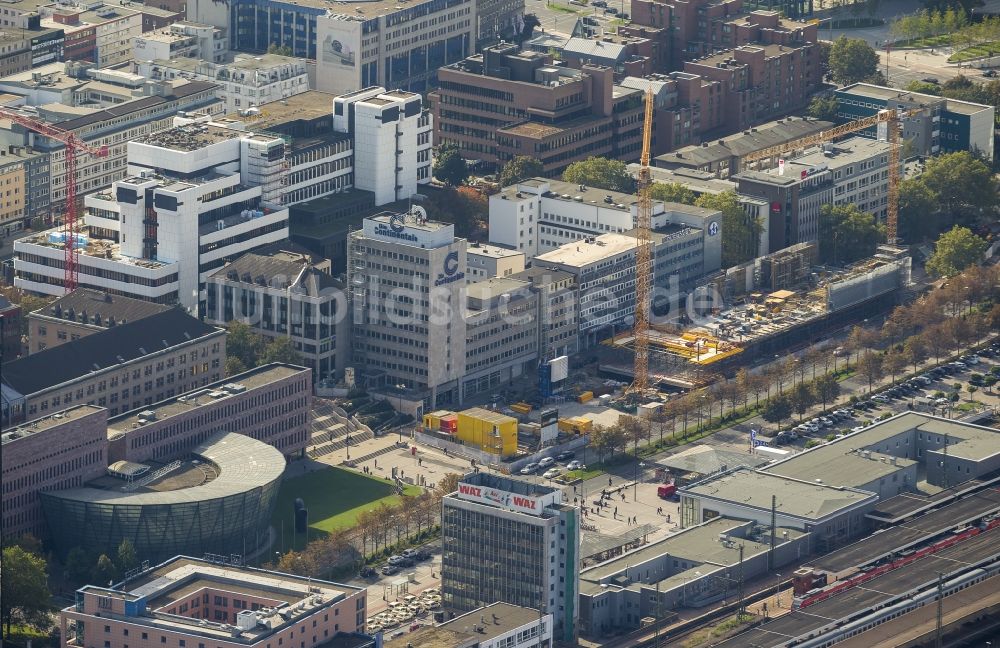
(563, 456)
(611, 10)
(367, 572)
(389, 570)
(599, 3)
(552, 472)
(990, 74)
(546, 462)
(530, 469)
(930, 80)
(574, 465)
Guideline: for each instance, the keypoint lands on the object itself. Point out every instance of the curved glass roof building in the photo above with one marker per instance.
(219, 500)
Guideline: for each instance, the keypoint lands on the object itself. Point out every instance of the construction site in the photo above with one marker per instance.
(769, 305)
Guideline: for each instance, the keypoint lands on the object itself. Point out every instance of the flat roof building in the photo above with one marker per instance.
(121, 368)
(511, 541)
(499, 625)
(943, 126)
(694, 567)
(246, 607)
(489, 261)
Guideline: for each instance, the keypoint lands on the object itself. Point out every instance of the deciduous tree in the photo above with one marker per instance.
(956, 250)
(740, 233)
(846, 234)
(520, 168)
(449, 165)
(852, 60)
(24, 590)
(611, 175)
(672, 192)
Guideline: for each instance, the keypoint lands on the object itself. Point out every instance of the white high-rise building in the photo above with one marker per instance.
(387, 128)
(195, 196)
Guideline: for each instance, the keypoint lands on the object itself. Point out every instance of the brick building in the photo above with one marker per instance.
(504, 102)
(64, 450)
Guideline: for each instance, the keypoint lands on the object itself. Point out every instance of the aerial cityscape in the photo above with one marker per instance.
(500, 323)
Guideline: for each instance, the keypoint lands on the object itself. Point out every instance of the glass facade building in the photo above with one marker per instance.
(227, 515)
(511, 541)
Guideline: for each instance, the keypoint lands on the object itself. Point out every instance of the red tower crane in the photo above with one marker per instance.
(74, 144)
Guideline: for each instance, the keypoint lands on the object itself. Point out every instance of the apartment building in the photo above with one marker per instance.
(191, 601)
(270, 403)
(122, 368)
(246, 83)
(84, 312)
(406, 276)
(182, 39)
(12, 193)
(199, 194)
(65, 449)
(501, 330)
(488, 261)
(761, 82)
(491, 516)
(506, 102)
(943, 125)
(284, 291)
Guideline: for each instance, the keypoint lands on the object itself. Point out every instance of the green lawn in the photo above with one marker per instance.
(975, 52)
(334, 496)
(924, 43)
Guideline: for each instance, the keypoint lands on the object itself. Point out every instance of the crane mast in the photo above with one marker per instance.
(74, 145)
(644, 256)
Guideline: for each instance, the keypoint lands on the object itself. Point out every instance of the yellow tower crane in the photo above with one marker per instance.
(885, 119)
(644, 256)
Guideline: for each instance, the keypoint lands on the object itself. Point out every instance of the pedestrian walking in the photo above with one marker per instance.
(616, 511)
(376, 463)
(609, 481)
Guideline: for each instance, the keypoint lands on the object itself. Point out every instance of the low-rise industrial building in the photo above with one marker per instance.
(692, 568)
(187, 602)
(84, 312)
(121, 368)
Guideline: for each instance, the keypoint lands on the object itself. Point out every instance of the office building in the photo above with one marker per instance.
(850, 172)
(73, 447)
(11, 318)
(12, 192)
(121, 368)
(65, 449)
(942, 125)
(506, 102)
(153, 110)
(270, 403)
(218, 500)
(511, 541)
(406, 276)
(501, 331)
(692, 568)
(392, 140)
(488, 261)
(499, 625)
(191, 601)
(182, 39)
(557, 310)
(81, 313)
(23, 49)
(285, 292)
(198, 195)
(246, 83)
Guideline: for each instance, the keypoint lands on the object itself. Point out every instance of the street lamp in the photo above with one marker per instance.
(399, 404)
(777, 590)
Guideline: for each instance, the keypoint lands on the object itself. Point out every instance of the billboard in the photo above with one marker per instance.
(504, 499)
(560, 368)
(338, 65)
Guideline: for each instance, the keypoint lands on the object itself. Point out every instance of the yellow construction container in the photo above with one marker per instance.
(585, 396)
(521, 408)
(575, 425)
(432, 421)
(489, 431)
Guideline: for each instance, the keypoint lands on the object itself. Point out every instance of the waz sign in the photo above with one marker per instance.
(503, 499)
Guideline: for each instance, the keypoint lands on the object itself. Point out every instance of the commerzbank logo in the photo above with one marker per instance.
(450, 271)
